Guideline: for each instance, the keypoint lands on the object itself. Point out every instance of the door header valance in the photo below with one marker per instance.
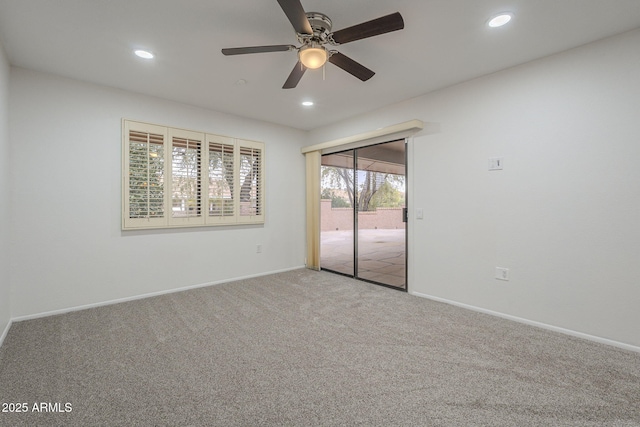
(389, 133)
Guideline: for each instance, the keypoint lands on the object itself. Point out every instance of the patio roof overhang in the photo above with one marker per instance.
(385, 158)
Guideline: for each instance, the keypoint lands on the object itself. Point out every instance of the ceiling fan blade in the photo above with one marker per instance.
(295, 76)
(297, 16)
(350, 66)
(258, 49)
(385, 24)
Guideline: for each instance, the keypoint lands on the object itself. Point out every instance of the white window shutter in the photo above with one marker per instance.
(181, 178)
(221, 180)
(251, 181)
(144, 180)
(186, 177)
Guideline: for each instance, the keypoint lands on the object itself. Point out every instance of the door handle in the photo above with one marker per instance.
(405, 215)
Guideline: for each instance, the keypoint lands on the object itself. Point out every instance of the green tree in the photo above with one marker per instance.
(370, 183)
(336, 201)
(387, 196)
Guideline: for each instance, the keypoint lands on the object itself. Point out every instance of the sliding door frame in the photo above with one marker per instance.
(355, 215)
(313, 152)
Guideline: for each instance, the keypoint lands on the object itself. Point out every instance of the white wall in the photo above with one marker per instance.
(5, 194)
(69, 249)
(563, 215)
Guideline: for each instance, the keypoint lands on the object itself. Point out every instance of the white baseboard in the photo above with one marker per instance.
(533, 323)
(142, 296)
(418, 294)
(5, 332)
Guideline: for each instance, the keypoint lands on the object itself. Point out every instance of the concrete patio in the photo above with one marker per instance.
(381, 254)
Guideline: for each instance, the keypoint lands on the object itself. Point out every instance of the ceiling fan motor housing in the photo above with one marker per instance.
(321, 26)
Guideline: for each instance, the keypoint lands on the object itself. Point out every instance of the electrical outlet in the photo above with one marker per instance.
(258, 249)
(502, 273)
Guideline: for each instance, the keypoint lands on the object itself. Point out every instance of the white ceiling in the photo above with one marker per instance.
(444, 42)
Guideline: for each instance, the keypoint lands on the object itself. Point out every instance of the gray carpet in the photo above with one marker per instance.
(306, 348)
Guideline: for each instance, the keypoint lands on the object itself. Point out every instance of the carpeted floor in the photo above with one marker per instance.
(306, 348)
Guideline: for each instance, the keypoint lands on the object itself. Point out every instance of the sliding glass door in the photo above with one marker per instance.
(381, 230)
(337, 248)
(363, 233)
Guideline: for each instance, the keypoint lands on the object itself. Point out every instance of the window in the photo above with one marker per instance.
(222, 179)
(181, 178)
(251, 174)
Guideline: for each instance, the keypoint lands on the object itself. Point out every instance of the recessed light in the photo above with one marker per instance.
(307, 103)
(500, 20)
(143, 54)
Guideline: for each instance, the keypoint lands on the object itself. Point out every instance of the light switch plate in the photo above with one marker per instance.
(496, 163)
(502, 273)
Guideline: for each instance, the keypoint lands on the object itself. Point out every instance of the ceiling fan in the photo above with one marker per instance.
(313, 30)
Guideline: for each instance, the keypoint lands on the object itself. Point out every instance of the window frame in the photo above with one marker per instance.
(203, 200)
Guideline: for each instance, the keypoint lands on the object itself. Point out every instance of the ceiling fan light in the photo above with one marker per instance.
(313, 57)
